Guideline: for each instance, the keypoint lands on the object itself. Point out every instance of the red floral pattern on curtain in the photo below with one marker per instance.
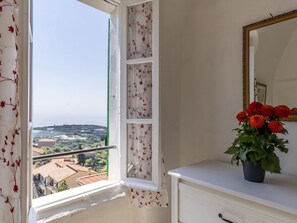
(140, 151)
(147, 198)
(9, 114)
(140, 30)
(139, 83)
(140, 91)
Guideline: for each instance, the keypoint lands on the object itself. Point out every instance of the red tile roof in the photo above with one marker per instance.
(92, 178)
(38, 150)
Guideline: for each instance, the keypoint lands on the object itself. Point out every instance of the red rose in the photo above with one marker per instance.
(267, 110)
(282, 111)
(257, 121)
(241, 116)
(254, 108)
(276, 126)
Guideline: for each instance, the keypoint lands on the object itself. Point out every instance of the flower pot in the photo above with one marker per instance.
(253, 173)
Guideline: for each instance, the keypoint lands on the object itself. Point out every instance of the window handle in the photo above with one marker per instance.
(221, 217)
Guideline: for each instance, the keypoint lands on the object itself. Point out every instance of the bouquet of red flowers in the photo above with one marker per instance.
(258, 136)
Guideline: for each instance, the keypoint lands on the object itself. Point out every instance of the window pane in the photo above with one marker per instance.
(66, 172)
(70, 71)
(140, 151)
(140, 91)
(140, 31)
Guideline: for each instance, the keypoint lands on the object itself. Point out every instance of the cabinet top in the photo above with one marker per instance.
(278, 190)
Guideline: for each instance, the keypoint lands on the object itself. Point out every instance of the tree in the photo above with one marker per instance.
(63, 186)
(81, 158)
(89, 162)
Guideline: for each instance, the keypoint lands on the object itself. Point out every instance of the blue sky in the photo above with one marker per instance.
(70, 41)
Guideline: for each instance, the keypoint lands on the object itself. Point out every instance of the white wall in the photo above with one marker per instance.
(211, 82)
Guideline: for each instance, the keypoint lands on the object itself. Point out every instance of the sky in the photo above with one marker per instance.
(70, 47)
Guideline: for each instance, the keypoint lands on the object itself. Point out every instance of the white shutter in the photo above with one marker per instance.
(140, 126)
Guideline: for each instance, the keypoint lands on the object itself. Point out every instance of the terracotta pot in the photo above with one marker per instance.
(253, 173)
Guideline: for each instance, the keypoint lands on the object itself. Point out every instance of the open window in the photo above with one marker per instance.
(133, 102)
(140, 94)
(70, 96)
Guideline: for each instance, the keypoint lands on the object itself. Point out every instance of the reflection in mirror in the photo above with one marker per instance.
(274, 52)
(270, 61)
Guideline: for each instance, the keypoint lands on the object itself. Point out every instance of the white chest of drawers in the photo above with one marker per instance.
(215, 192)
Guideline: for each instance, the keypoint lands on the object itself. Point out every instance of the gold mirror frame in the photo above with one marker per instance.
(245, 67)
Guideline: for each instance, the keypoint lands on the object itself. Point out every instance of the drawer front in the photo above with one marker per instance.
(199, 206)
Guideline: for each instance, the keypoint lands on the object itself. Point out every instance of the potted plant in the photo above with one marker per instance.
(258, 136)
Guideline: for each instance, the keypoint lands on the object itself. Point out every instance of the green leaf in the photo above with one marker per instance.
(271, 164)
(231, 150)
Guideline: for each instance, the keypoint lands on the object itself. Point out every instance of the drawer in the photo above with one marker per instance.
(200, 206)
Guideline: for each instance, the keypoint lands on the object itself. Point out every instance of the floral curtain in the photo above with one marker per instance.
(146, 198)
(140, 31)
(140, 88)
(10, 148)
(140, 91)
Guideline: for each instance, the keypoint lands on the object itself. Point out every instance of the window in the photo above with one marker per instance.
(133, 122)
(140, 94)
(70, 72)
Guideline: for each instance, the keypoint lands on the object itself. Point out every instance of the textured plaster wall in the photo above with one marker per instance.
(211, 82)
(112, 212)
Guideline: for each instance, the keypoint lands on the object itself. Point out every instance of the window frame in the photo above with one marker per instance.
(155, 183)
(45, 207)
(118, 162)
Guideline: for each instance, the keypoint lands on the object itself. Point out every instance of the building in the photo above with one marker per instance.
(48, 177)
(46, 142)
(91, 179)
(37, 151)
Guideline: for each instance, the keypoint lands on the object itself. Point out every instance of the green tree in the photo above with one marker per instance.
(81, 158)
(89, 162)
(63, 186)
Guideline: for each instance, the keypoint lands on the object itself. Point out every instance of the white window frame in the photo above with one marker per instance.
(118, 158)
(155, 183)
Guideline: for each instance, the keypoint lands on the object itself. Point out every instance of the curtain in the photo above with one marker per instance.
(147, 198)
(10, 149)
(139, 94)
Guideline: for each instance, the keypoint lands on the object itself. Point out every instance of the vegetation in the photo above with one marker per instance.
(258, 136)
(63, 186)
(76, 137)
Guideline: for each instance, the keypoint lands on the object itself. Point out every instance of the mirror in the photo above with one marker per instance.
(270, 62)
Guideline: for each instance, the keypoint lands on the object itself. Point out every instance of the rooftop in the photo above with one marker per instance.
(46, 140)
(38, 150)
(92, 178)
(62, 173)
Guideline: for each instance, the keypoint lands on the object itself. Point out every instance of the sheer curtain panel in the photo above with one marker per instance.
(142, 92)
(10, 148)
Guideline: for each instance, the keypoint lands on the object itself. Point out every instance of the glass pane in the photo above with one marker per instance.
(139, 91)
(140, 151)
(140, 31)
(68, 171)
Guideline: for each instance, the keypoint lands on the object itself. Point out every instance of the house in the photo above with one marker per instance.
(37, 151)
(49, 177)
(200, 93)
(46, 142)
(91, 179)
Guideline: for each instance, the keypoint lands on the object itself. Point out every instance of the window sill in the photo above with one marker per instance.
(140, 184)
(59, 205)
